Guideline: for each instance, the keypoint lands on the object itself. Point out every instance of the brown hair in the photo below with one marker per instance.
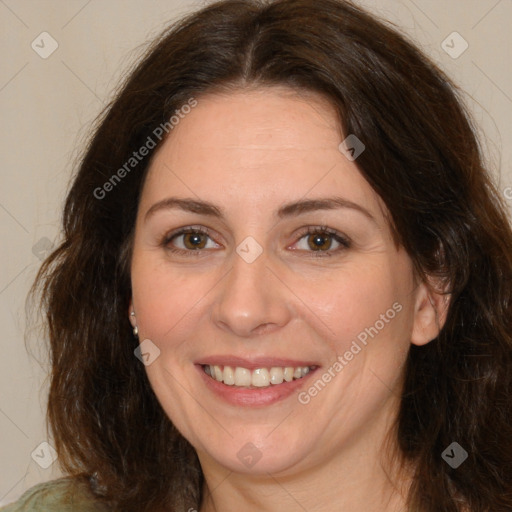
(421, 157)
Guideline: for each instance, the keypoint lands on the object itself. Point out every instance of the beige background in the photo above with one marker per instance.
(47, 106)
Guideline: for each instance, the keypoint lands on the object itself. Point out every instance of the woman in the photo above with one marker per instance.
(285, 281)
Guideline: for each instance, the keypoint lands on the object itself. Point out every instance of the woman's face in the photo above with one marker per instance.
(260, 250)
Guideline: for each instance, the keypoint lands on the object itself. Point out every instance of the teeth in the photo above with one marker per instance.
(217, 373)
(242, 377)
(228, 376)
(276, 375)
(260, 377)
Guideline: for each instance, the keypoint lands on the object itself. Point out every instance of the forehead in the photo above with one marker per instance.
(261, 119)
(257, 147)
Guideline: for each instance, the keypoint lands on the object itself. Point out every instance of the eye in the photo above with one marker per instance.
(321, 240)
(192, 240)
(189, 239)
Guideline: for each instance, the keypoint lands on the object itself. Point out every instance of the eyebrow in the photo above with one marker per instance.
(288, 210)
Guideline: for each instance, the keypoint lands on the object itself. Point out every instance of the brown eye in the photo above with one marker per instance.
(189, 241)
(322, 241)
(319, 242)
(194, 240)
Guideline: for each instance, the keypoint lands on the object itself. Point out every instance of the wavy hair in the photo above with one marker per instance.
(424, 161)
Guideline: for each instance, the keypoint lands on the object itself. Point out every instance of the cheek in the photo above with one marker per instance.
(360, 300)
(165, 297)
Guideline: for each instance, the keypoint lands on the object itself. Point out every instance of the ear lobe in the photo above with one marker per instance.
(430, 314)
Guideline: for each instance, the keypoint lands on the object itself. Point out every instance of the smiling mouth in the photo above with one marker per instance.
(257, 378)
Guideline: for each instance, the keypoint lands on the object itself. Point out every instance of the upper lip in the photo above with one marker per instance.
(252, 363)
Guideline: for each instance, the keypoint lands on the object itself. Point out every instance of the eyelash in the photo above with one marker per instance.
(311, 230)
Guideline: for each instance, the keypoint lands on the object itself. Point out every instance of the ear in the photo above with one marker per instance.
(131, 314)
(430, 311)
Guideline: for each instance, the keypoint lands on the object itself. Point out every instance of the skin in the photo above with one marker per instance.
(250, 152)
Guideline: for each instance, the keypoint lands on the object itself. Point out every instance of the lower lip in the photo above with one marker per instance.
(253, 396)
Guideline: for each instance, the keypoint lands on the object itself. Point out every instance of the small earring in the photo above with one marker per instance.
(135, 328)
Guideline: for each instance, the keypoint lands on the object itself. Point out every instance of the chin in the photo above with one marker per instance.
(255, 452)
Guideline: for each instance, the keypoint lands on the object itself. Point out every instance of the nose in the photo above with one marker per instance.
(251, 299)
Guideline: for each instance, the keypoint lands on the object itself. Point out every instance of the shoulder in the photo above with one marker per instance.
(62, 495)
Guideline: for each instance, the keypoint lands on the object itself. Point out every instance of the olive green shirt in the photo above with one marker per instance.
(61, 495)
